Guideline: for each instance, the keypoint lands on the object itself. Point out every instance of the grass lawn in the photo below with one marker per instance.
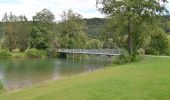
(146, 80)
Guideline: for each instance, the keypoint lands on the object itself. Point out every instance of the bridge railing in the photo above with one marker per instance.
(91, 51)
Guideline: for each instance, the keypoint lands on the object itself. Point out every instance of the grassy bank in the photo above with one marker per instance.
(29, 53)
(146, 80)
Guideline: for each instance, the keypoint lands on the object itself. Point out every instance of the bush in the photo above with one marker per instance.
(150, 51)
(52, 52)
(5, 53)
(135, 57)
(141, 53)
(168, 51)
(126, 58)
(1, 85)
(158, 42)
(36, 53)
(123, 58)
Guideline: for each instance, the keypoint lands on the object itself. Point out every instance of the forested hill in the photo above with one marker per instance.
(94, 26)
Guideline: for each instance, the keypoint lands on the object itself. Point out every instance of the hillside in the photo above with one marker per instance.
(94, 26)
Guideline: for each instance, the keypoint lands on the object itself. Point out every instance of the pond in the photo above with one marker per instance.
(22, 73)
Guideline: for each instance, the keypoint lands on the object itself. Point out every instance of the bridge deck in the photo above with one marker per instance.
(108, 52)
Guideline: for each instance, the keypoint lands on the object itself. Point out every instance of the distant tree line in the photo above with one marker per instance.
(44, 33)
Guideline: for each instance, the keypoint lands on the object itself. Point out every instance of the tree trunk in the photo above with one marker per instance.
(130, 40)
(130, 44)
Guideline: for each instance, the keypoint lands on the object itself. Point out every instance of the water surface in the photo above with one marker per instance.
(21, 73)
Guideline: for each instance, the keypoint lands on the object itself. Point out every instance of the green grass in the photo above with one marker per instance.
(18, 55)
(146, 80)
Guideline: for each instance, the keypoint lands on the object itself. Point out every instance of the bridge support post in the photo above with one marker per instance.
(67, 56)
(109, 59)
(80, 56)
(73, 56)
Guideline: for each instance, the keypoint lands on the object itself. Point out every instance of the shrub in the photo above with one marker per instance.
(158, 42)
(168, 51)
(135, 57)
(141, 53)
(5, 53)
(151, 51)
(36, 53)
(52, 52)
(126, 58)
(123, 58)
(1, 85)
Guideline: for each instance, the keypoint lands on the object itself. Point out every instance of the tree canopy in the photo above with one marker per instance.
(131, 17)
(72, 35)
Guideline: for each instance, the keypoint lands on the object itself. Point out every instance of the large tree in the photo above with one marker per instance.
(72, 35)
(16, 29)
(42, 29)
(132, 17)
(45, 16)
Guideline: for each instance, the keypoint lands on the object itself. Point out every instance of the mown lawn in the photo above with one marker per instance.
(146, 80)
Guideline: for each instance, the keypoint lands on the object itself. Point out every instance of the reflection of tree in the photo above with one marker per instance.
(26, 72)
(22, 73)
(70, 66)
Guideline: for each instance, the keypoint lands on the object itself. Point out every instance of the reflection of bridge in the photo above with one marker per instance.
(107, 52)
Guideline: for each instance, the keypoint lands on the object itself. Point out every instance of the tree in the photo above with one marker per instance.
(72, 35)
(23, 31)
(16, 29)
(131, 17)
(42, 29)
(93, 44)
(10, 31)
(40, 37)
(158, 42)
(45, 16)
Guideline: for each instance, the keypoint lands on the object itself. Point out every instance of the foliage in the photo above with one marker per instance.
(131, 17)
(1, 85)
(168, 51)
(72, 35)
(40, 37)
(93, 44)
(141, 53)
(158, 42)
(16, 29)
(94, 27)
(45, 17)
(52, 52)
(35, 53)
(123, 58)
(54, 46)
(5, 53)
(42, 29)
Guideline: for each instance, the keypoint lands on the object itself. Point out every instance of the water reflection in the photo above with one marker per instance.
(19, 73)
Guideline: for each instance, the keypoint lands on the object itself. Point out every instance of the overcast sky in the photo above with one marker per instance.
(86, 8)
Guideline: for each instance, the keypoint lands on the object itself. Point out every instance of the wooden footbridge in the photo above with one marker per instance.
(107, 52)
